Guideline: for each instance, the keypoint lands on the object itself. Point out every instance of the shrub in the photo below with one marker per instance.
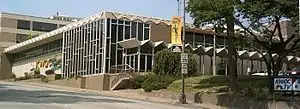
(44, 79)
(49, 72)
(13, 76)
(167, 63)
(57, 76)
(37, 76)
(136, 83)
(27, 75)
(156, 82)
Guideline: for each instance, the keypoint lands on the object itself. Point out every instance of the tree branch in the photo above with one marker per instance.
(279, 29)
(251, 33)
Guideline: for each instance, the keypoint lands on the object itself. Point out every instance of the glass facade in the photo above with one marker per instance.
(44, 49)
(83, 49)
(94, 47)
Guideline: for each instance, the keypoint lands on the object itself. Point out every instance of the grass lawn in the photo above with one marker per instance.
(214, 84)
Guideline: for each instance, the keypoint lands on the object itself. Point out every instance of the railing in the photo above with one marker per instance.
(124, 73)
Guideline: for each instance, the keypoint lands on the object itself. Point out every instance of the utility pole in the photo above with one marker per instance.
(214, 55)
(182, 98)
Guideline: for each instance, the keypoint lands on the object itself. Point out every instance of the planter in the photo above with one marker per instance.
(50, 77)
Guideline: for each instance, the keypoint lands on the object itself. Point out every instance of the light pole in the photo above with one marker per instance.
(182, 98)
(214, 55)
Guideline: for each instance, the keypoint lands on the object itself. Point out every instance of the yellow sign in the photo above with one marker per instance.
(176, 28)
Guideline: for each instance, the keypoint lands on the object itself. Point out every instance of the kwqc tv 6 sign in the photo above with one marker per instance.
(286, 84)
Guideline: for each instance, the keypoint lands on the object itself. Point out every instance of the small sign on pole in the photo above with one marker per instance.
(184, 58)
(184, 63)
(184, 68)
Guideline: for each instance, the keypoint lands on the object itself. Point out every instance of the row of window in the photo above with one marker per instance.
(37, 26)
(120, 30)
(51, 47)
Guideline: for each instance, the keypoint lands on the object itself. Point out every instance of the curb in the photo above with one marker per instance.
(116, 94)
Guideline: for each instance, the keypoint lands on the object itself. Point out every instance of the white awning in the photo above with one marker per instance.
(130, 43)
(221, 52)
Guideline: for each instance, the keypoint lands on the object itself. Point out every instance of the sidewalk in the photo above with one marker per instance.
(128, 94)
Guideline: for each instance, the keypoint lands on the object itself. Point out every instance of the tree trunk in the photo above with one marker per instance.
(232, 54)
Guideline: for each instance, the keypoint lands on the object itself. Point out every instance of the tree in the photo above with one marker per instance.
(167, 63)
(218, 12)
(264, 18)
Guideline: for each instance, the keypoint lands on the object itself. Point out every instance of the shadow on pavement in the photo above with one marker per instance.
(14, 93)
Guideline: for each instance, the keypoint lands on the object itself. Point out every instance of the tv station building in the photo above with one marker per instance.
(110, 41)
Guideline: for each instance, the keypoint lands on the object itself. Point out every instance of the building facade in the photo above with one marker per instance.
(111, 42)
(17, 28)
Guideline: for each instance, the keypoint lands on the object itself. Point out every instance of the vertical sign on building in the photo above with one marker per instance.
(176, 29)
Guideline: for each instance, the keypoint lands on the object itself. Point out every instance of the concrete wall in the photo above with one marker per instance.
(160, 32)
(8, 22)
(20, 67)
(5, 66)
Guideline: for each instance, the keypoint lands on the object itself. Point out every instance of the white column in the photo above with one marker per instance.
(139, 58)
(214, 57)
(203, 67)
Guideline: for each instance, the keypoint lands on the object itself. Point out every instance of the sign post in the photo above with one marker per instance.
(184, 63)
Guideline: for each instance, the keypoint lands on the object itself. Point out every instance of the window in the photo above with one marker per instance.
(127, 32)
(133, 29)
(199, 37)
(21, 38)
(108, 28)
(40, 26)
(142, 63)
(146, 33)
(120, 32)
(189, 37)
(209, 39)
(113, 55)
(149, 63)
(140, 31)
(219, 40)
(114, 33)
(61, 25)
(23, 24)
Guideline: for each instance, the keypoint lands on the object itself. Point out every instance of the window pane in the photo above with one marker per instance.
(114, 33)
(113, 55)
(220, 40)
(21, 38)
(209, 39)
(120, 32)
(146, 34)
(199, 37)
(189, 37)
(140, 31)
(121, 22)
(149, 63)
(142, 63)
(119, 57)
(147, 25)
(127, 32)
(133, 29)
(40, 26)
(127, 23)
(23, 24)
(108, 28)
(114, 21)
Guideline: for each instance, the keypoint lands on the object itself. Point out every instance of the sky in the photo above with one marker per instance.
(84, 8)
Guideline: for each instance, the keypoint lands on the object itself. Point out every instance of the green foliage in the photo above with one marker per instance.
(13, 76)
(44, 79)
(210, 11)
(156, 82)
(167, 63)
(136, 82)
(57, 76)
(49, 72)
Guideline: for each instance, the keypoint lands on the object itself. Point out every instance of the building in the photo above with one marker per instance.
(110, 42)
(16, 28)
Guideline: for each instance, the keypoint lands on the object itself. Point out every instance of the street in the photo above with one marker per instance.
(14, 96)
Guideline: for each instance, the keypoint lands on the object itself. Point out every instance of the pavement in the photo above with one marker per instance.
(16, 95)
